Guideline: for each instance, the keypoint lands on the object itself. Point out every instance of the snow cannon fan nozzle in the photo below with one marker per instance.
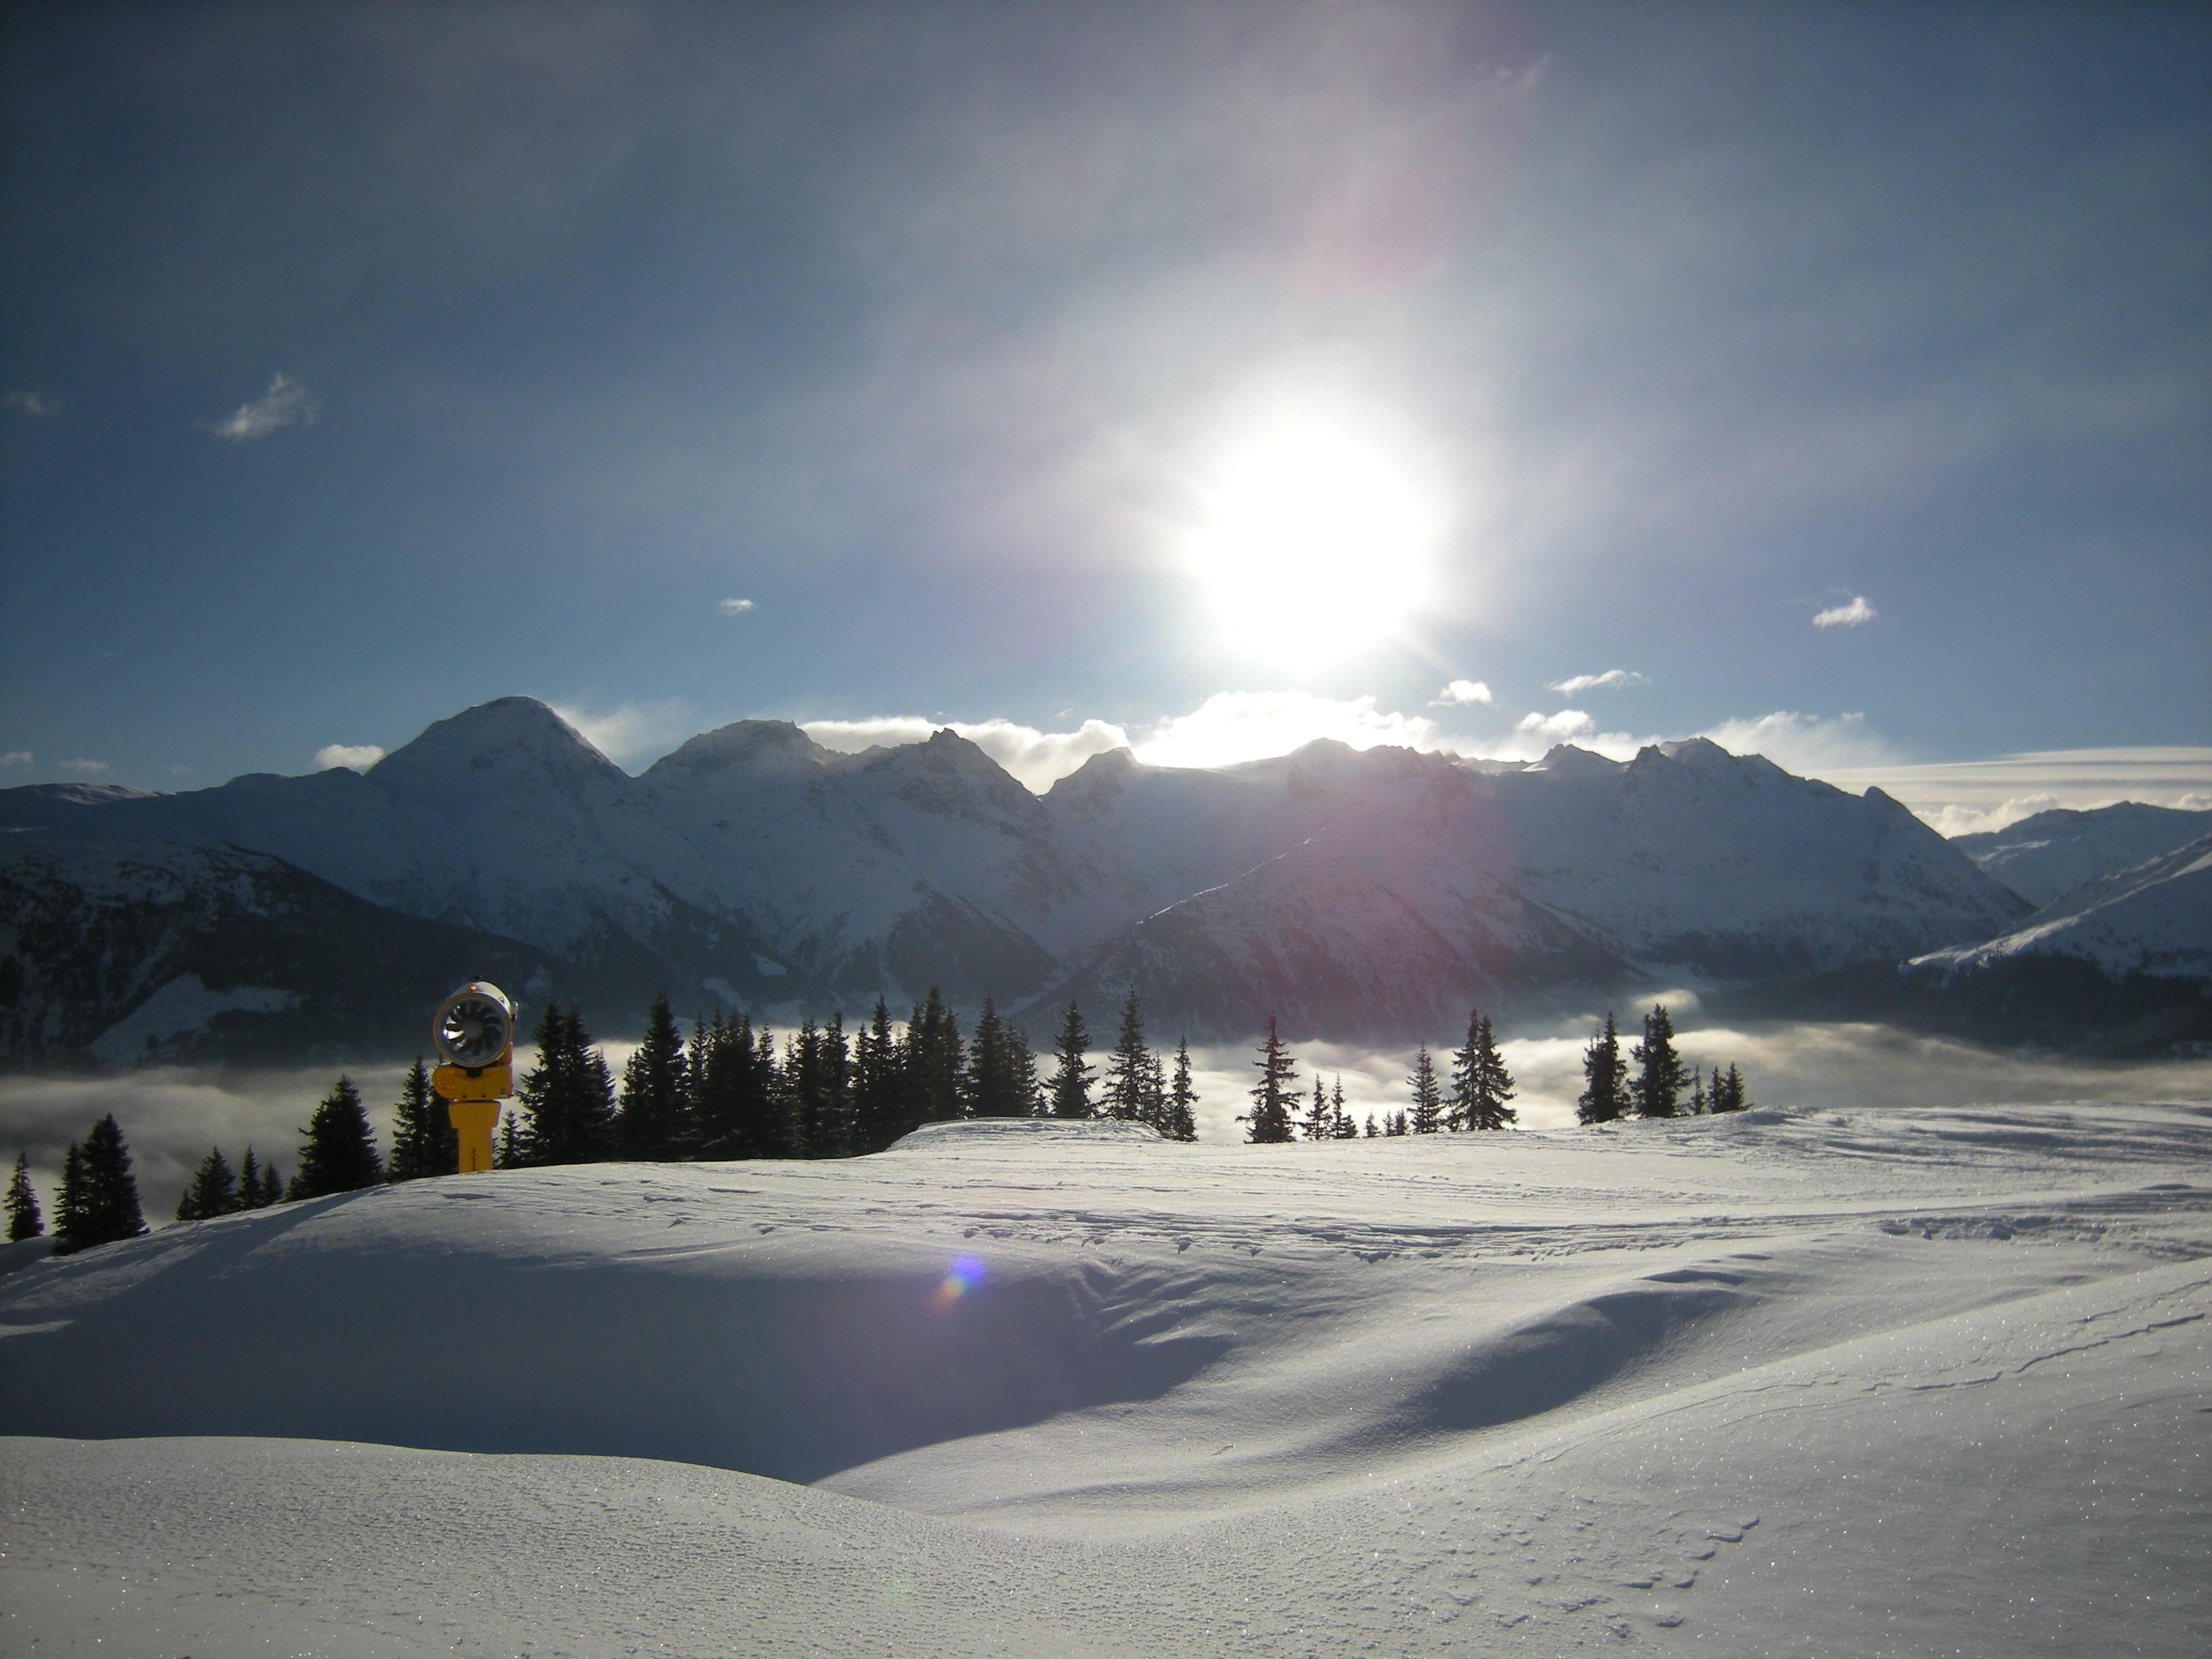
(475, 1026)
(473, 1031)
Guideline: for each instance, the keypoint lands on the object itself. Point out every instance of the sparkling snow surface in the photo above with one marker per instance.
(1859, 1383)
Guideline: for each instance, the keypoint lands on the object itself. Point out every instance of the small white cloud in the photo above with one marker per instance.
(15, 757)
(84, 769)
(287, 403)
(2194, 802)
(1847, 616)
(358, 756)
(36, 405)
(736, 607)
(1036, 759)
(1460, 693)
(1613, 679)
(1238, 726)
(1556, 728)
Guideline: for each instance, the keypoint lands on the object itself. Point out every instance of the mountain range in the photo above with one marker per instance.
(1369, 894)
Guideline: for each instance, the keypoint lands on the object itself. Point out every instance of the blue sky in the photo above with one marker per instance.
(363, 362)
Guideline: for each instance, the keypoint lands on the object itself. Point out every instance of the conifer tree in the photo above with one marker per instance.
(1605, 1093)
(1697, 1092)
(569, 1094)
(1490, 1085)
(1071, 1077)
(424, 1142)
(812, 1110)
(1343, 1127)
(24, 1220)
(338, 1148)
(1270, 1116)
(1129, 1068)
(876, 1083)
(1319, 1125)
(99, 1195)
(1178, 1118)
(212, 1191)
(1026, 1081)
(996, 1084)
(1152, 1095)
(835, 1122)
(933, 1062)
(272, 1185)
(71, 1203)
(249, 1180)
(1659, 1077)
(1428, 1112)
(1728, 1091)
(1393, 1123)
(650, 1114)
(1371, 1130)
(508, 1152)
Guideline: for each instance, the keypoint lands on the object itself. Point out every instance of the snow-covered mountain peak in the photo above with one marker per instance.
(505, 739)
(776, 747)
(949, 775)
(1097, 781)
(2050, 854)
(1565, 759)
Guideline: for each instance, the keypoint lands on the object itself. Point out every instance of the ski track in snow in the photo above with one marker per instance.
(1866, 1382)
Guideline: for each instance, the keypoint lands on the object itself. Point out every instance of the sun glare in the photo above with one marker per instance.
(1311, 541)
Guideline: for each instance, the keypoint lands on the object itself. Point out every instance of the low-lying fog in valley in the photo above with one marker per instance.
(170, 1115)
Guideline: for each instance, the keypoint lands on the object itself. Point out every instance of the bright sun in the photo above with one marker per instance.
(1310, 540)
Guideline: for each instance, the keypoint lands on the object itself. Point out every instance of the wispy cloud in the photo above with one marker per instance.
(1460, 693)
(1036, 758)
(1238, 725)
(1961, 796)
(15, 757)
(736, 607)
(287, 403)
(1613, 679)
(84, 769)
(36, 404)
(357, 757)
(1812, 745)
(633, 732)
(1853, 615)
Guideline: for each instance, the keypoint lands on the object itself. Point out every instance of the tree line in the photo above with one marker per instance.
(1480, 1087)
(732, 1091)
(1610, 1092)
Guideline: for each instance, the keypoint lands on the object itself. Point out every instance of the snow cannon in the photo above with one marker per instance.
(474, 1034)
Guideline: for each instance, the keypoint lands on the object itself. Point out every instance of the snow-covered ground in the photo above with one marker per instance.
(1858, 1381)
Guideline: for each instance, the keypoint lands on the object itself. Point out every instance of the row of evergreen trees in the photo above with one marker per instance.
(1655, 1089)
(1480, 1087)
(732, 1091)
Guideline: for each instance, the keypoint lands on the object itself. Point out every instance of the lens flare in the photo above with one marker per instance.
(966, 1274)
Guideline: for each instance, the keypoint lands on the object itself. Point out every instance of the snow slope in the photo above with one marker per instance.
(2047, 856)
(131, 951)
(2154, 919)
(1867, 1382)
